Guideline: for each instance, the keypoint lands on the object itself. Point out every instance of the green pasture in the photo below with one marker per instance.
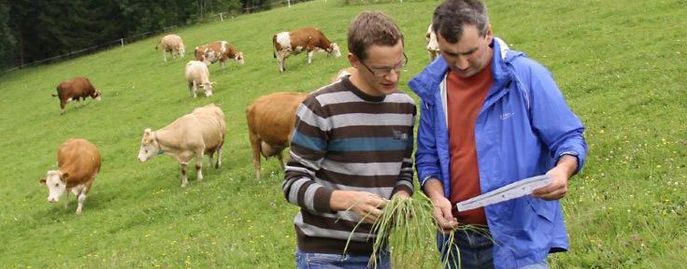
(621, 64)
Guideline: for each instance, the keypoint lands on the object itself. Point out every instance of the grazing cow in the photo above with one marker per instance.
(344, 72)
(197, 74)
(304, 39)
(173, 45)
(78, 162)
(218, 51)
(271, 119)
(74, 90)
(432, 44)
(192, 135)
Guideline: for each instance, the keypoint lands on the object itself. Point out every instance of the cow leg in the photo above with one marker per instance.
(281, 60)
(194, 89)
(81, 198)
(199, 164)
(218, 162)
(281, 159)
(310, 54)
(164, 55)
(255, 145)
(184, 176)
(210, 154)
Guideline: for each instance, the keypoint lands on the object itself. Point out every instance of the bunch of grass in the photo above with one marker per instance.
(408, 231)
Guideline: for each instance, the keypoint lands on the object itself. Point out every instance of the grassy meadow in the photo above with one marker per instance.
(621, 64)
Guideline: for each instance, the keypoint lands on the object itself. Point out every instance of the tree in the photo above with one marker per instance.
(7, 41)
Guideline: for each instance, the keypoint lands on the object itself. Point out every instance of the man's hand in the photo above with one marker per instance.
(367, 205)
(560, 175)
(442, 206)
(442, 214)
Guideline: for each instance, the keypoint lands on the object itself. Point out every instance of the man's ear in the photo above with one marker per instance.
(353, 60)
(42, 181)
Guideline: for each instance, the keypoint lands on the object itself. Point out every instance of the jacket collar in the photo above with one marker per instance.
(426, 83)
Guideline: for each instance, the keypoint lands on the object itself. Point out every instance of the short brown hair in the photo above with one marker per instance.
(372, 28)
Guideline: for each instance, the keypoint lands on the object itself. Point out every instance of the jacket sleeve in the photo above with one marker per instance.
(553, 120)
(426, 156)
(306, 152)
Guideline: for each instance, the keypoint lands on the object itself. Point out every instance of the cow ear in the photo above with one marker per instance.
(147, 132)
(42, 181)
(64, 175)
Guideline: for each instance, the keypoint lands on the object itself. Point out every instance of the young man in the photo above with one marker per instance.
(351, 151)
(491, 116)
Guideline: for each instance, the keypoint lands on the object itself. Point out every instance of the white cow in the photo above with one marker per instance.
(197, 74)
(193, 135)
(173, 45)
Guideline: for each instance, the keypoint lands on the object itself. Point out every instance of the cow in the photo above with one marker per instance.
(218, 51)
(78, 162)
(271, 119)
(432, 44)
(198, 75)
(172, 44)
(308, 39)
(196, 134)
(344, 72)
(75, 89)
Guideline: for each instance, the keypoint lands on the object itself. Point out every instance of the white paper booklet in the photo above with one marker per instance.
(511, 191)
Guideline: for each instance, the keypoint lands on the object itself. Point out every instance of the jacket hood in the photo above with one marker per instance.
(424, 84)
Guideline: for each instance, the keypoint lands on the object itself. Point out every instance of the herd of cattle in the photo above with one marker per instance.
(270, 118)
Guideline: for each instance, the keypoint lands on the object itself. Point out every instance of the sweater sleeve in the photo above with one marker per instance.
(405, 181)
(307, 150)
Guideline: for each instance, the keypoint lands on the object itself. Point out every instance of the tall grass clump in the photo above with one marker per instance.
(407, 229)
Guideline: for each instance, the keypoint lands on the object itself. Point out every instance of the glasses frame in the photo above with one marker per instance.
(384, 71)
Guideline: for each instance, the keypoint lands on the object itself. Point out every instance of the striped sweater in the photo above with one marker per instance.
(346, 140)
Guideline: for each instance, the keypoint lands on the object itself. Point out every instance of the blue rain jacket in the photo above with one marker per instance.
(523, 128)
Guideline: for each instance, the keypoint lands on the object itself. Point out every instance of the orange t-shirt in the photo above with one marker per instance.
(465, 98)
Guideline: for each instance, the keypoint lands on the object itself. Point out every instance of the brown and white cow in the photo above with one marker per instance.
(75, 89)
(78, 162)
(218, 51)
(196, 134)
(198, 75)
(173, 45)
(432, 43)
(308, 39)
(271, 119)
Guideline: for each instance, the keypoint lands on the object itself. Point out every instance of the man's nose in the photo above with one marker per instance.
(462, 63)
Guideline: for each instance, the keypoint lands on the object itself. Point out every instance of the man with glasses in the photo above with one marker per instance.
(351, 151)
(489, 117)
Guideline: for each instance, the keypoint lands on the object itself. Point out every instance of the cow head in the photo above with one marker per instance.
(56, 185)
(150, 147)
(96, 95)
(207, 87)
(239, 58)
(334, 50)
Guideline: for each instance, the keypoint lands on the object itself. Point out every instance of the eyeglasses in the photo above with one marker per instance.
(383, 71)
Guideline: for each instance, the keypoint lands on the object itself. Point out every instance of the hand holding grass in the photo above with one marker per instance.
(367, 205)
(442, 206)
